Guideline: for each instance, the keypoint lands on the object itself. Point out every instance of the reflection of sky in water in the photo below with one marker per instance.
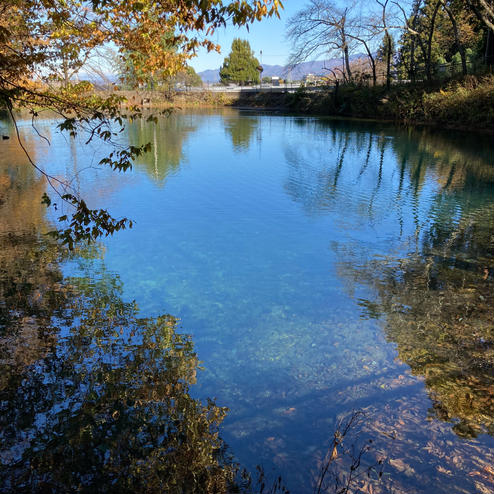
(243, 244)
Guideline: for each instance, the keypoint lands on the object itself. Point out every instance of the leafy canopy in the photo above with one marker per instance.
(45, 41)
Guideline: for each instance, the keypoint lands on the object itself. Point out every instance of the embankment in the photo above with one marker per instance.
(465, 104)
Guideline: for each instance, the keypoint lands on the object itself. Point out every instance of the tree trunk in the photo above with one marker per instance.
(347, 61)
(371, 58)
(369, 54)
(373, 64)
(411, 72)
(461, 48)
(65, 72)
(424, 54)
(388, 39)
(388, 62)
(489, 48)
(429, 42)
(483, 12)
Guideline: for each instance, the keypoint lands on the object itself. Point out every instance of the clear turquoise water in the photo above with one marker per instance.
(260, 232)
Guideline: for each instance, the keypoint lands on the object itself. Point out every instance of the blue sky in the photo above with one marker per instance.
(267, 35)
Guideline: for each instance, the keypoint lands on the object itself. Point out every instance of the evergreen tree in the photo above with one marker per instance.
(240, 66)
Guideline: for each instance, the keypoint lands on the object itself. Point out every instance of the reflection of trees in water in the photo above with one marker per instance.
(458, 161)
(27, 294)
(20, 188)
(437, 299)
(313, 174)
(327, 175)
(105, 406)
(241, 129)
(92, 397)
(167, 137)
(437, 302)
(31, 296)
(349, 168)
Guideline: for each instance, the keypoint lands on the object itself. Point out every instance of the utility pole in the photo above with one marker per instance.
(260, 73)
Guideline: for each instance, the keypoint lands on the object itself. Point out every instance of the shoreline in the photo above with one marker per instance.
(462, 105)
(430, 125)
(465, 104)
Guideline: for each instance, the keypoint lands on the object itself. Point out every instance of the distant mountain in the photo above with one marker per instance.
(295, 74)
(210, 75)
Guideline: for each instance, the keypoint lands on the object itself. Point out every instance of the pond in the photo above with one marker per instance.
(316, 267)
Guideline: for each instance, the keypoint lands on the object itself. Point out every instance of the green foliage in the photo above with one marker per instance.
(241, 65)
(129, 75)
(437, 31)
(131, 78)
(104, 406)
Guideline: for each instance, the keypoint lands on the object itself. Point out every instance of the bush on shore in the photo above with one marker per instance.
(464, 103)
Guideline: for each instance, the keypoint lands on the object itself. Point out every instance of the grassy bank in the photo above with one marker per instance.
(459, 104)
(465, 104)
(187, 99)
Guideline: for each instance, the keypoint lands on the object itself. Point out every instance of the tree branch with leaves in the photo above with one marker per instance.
(43, 43)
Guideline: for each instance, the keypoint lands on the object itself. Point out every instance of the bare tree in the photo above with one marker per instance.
(101, 66)
(321, 27)
(363, 31)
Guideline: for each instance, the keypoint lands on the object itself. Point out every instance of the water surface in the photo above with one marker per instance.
(320, 266)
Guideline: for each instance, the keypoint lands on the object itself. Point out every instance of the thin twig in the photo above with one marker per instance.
(45, 174)
(37, 131)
